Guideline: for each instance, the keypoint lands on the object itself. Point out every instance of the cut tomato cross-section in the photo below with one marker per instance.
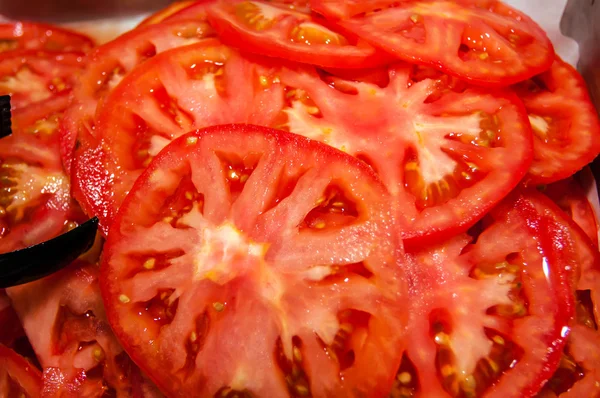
(18, 377)
(37, 36)
(256, 262)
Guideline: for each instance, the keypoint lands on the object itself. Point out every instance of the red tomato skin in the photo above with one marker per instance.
(234, 34)
(21, 371)
(39, 36)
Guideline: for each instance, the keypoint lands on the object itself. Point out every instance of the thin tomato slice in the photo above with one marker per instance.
(256, 262)
(489, 312)
(176, 91)
(447, 154)
(35, 204)
(108, 64)
(37, 36)
(278, 31)
(64, 319)
(564, 121)
(18, 377)
(484, 42)
(571, 198)
(33, 76)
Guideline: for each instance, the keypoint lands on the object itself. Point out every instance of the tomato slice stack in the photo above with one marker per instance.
(303, 198)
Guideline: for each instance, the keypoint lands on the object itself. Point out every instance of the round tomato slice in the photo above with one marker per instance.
(276, 30)
(570, 197)
(33, 76)
(564, 122)
(489, 312)
(18, 378)
(64, 319)
(108, 64)
(447, 156)
(252, 261)
(484, 42)
(35, 203)
(37, 36)
(176, 91)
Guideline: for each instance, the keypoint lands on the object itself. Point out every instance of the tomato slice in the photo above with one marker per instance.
(176, 91)
(564, 122)
(485, 42)
(11, 327)
(38, 36)
(252, 261)
(571, 198)
(81, 356)
(108, 64)
(276, 30)
(35, 204)
(18, 378)
(447, 154)
(33, 76)
(166, 12)
(489, 312)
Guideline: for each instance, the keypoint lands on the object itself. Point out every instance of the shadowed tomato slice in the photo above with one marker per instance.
(252, 262)
(489, 312)
(37, 36)
(484, 42)
(33, 76)
(11, 327)
(564, 121)
(63, 317)
(166, 12)
(108, 64)
(176, 91)
(18, 377)
(447, 154)
(35, 204)
(276, 30)
(571, 198)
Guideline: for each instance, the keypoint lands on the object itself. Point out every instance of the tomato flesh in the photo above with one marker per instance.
(213, 242)
(18, 377)
(37, 36)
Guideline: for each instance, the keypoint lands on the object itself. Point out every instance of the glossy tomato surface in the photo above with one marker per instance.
(174, 92)
(564, 121)
(252, 261)
(485, 42)
(33, 76)
(18, 377)
(489, 311)
(35, 202)
(109, 63)
(446, 152)
(38, 36)
(276, 30)
(65, 322)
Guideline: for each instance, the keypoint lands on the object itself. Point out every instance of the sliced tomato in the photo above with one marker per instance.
(176, 91)
(33, 76)
(278, 31)
(564, 121)
(11, 326)
(256, 262)
(570, 196)
(446, 153)
(18, 378)
(166, 12)
(109, 63)
(489, 312)
(38, 36)
(485, 42)
(64, 319)
(35, 204)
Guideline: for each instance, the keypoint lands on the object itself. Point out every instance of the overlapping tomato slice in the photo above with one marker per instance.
(38, 36)
(18, 378)
(185, 88)
(564, 121)
(253, 262)
(108, 64)
(485, 42)
(447, 153)
(490, 311)
(274, 29)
